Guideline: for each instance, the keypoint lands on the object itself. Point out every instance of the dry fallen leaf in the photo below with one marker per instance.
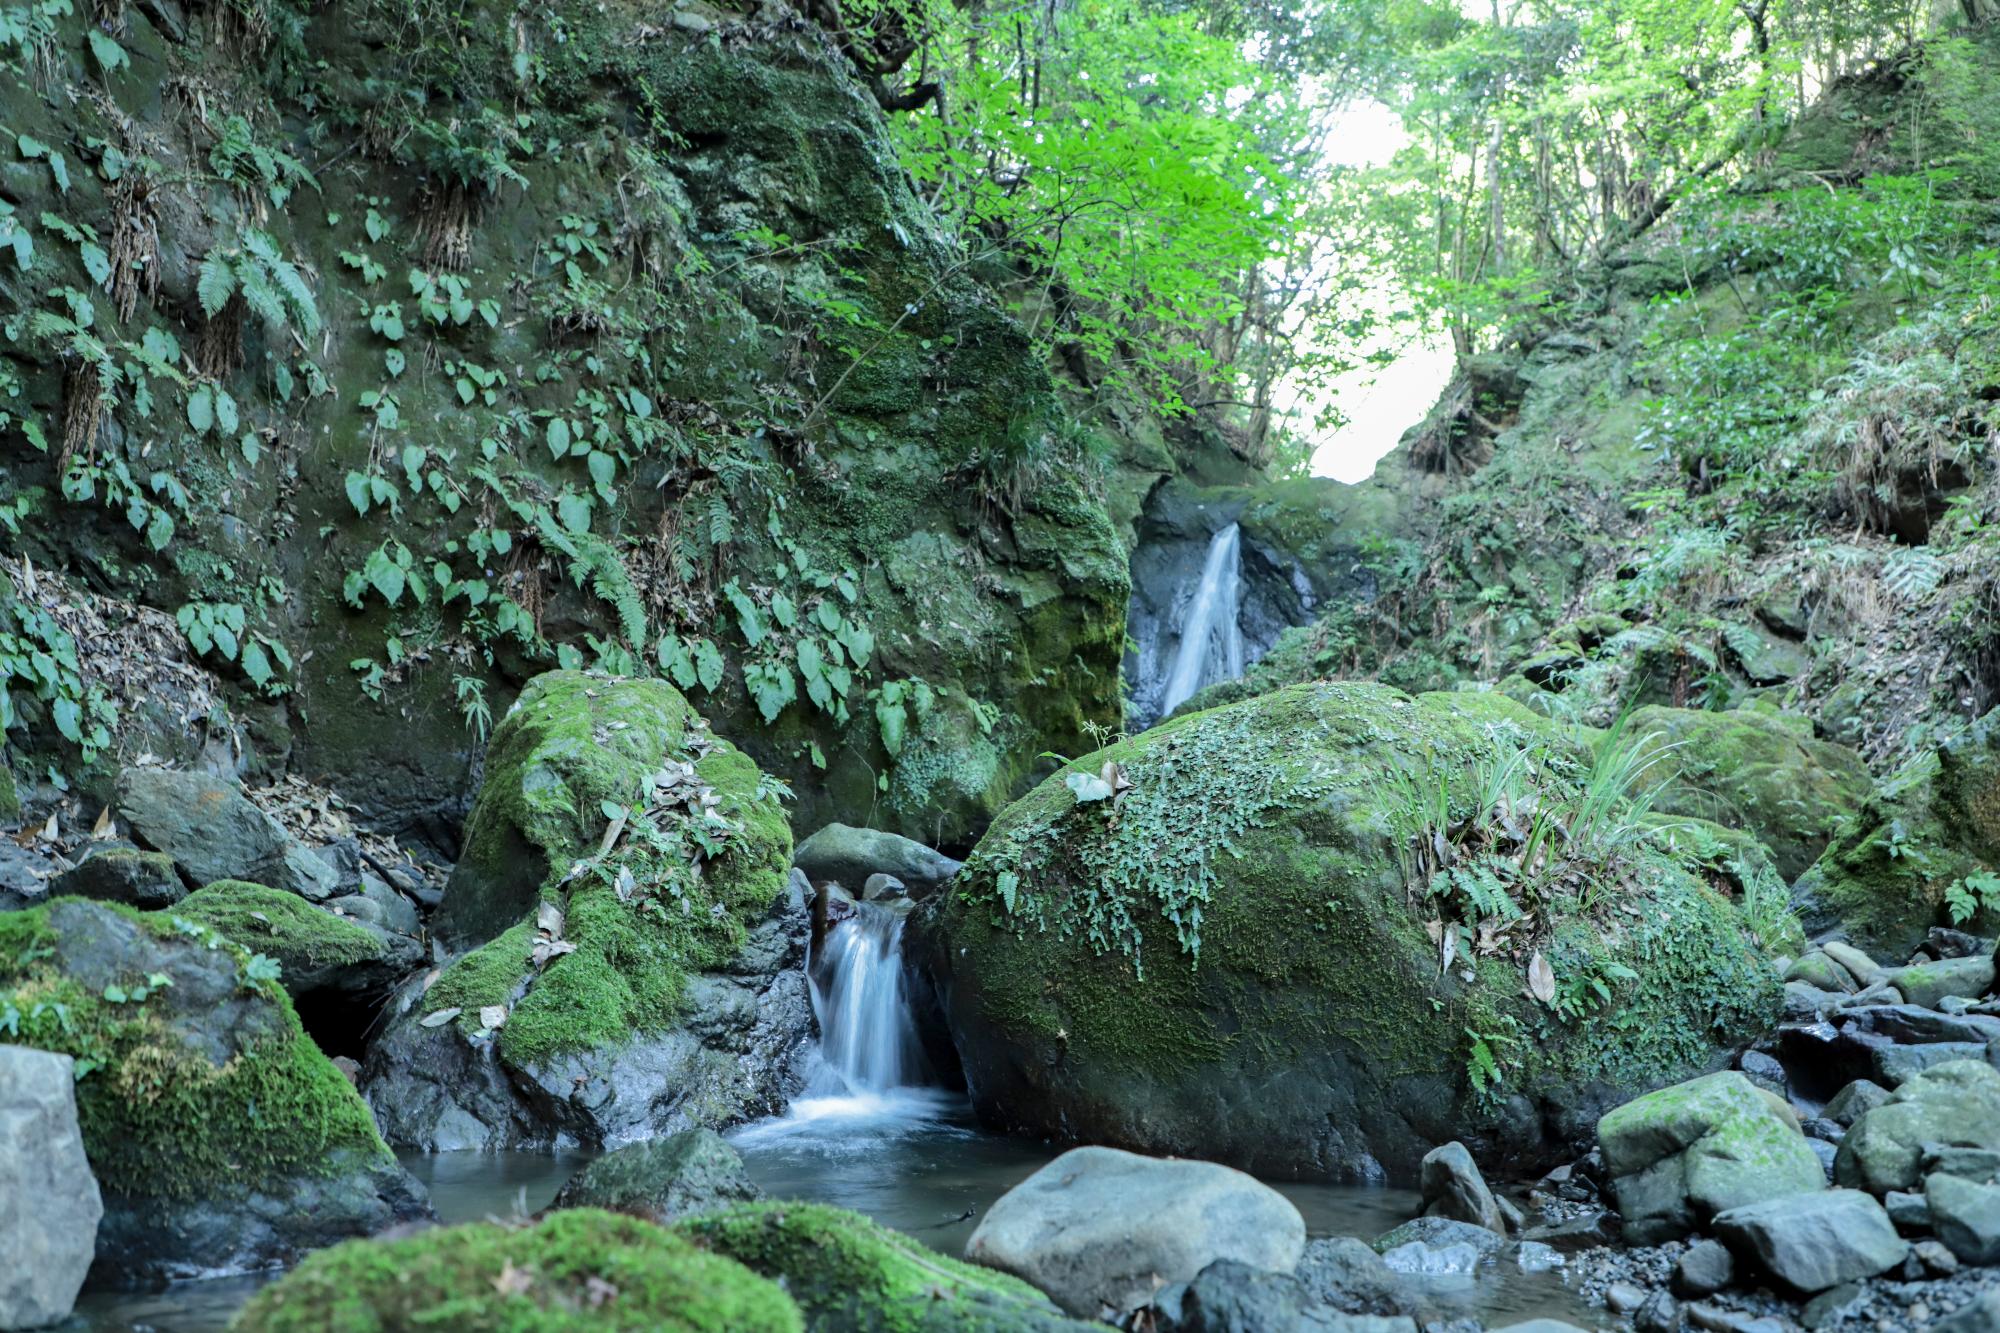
(441, 1017)
(103, 828)
(513, 1281)
(1541, 978)
(493, 1017)
(549, 918)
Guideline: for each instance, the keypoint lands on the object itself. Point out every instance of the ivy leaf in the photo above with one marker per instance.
(201, 409)
(557, 435)
(708, 664)
(603, 467)
(384, 575)
(357, 492)
(574, 512)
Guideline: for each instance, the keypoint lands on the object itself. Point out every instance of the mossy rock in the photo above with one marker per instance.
(581, 1269)
(314, 949)
(1250, 914)
(1752, 769)
(850, 1275)
(222, 1138)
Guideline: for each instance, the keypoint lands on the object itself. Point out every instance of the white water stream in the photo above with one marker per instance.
(1211, 646)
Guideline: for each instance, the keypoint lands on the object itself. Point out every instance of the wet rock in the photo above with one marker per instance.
(145, 880)
(1763, 1070)
(1856, 1100)
(1909, 1211)
(49, 1204)
(1865, 970)
(1944, 942)
(1897, 1065)
(1439, 1232)
(1233, 1297)
(318, 953)
(1821, 973)
(1966, 1216)
(1453, 1188)
(1683, 1154)
(1956, 1104)
(1927, 983)
(850, 855)
(1979, 1315)
(662, 1179)
(1936, 1257)
(1807, 1004)
(880, 886)
(1706, 1268)
(1660, 1314)
(213, 832)
(1533, 1256)
(1540, 1326)
(1348, 1274)
(24, 877)
(1810, 1242)
(1097, 1227)
(1831, 1306)
(1914, 1025)
(1416, 1259)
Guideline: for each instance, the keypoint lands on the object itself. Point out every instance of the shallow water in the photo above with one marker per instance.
(910, 1158)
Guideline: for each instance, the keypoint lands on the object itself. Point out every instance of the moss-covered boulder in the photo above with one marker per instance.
(317, 953)
(223, 1140)
(1320, 932)
(1754, 769)
(630, 976)
(850, 1275)
(575, 1270)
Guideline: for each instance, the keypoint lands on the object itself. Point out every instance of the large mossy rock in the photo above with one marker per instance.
(574, 1271)
(1752, 769)
(1955, 1105)
(1314, 1032)
(636, 961)
(223, 1140)
(851, 1275)
(317, 952)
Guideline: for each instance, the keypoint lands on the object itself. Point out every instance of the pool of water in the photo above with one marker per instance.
(911, 1159)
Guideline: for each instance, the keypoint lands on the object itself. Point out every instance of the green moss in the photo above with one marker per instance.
(171, 1104)
(578, 1269)
(10, 796)
(291, 930)
(850, 1275)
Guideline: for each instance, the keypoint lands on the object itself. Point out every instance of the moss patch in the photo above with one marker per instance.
(579, 1269)
(299, 936)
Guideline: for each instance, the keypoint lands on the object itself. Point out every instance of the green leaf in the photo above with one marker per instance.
(708, 664)
(357, 492)
(68, 715)
(201, 409)
(215, 284)
(110, 55)
(557, 435)
(603, 467)
(384, 575)
(574, 512)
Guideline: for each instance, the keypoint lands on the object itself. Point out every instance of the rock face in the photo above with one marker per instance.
(222, 1139)
(49, 1205)
(603, 1270)
(1283, 838)
(1681, 1155)
(1954, 1105)
(851, 1275)
(633, 980)
(849, 856)
(1096, 1227)
(212, 831)
(691, 1172)
(1811, 1242)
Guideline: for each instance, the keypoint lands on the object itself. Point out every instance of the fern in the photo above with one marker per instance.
(269, 283)
(598, 561)
(1485, 894)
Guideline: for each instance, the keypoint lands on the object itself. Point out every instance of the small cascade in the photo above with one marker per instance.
(1211, 644)
(866, 1035)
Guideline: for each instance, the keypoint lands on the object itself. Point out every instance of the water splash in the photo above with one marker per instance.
(1211, 646)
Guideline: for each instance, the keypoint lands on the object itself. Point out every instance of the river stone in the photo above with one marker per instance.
(662, 1179)
(49, 1205)
(1927, 983)
(1678, 1156)
(1438, 1233)
(1864, 969)
(1979, 1315)
(1811, 1242)
(1953, 1105)
(214, 832)
(1347, 1274)
(1232, 1297)
(1822, 973)
(1965, 1214)
(849, 855)
(145, 880)
(1099, 1228)
(1704, 1269)
(1453, 1188)
(1856, 1100)
(1897, 1065)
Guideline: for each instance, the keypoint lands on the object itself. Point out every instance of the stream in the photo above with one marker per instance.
(865, 1134)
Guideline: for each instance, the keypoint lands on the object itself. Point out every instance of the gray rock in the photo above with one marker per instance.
(1417, 1259)
(1624, 1297)
(1704, 1269)
(1806, 1004)
(1678, 1156)
(1439, 1232)
(1909, 1211)
(1956, 1160)
(1927, 983)
(1532, 1256)
(1763, 1070)
(1856, 1100)
(1348, 1274)
(1540, 1326)
(1810, 1242)
(49, 1204)
(1966, 1216)
(1453, 1188)
(880, 886)
(1822, 974)
(1828, 1154)
(1936, 1257)
(739, 1053)
(849, 855)
(145, 880)
(1098, 1227)
(1914, 1025)
(1660, 1314)
(1979, 1315)
(1232, 1297)
(1897, 1065)
(1880, 992)
(24, 877)
(1865, 970)
(214, 832)
(1956, 1104)
(662, 1179)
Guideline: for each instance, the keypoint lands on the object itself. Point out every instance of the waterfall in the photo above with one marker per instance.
(865, 1033)
(1211, 646)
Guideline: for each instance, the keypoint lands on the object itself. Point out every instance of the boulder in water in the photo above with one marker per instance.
(1261, 904)
(660, 1180)
(640, 972)
(580, 1269)
(49, 1205)
(851, 1275)
(848, 855)
(221, 1137)
(1453, 1188)
(1232, 1297)
(1097, 1227)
